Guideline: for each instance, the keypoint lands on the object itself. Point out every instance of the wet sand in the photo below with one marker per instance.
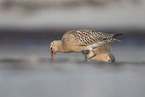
(26, 71)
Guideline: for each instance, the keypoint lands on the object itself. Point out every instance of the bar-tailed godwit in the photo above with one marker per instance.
(80, 41)
(103, 54)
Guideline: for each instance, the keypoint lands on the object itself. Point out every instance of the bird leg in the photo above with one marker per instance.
(85, 54)
(93, 55)
(87, 59)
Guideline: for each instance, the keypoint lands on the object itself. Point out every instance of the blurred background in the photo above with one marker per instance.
(28, 26)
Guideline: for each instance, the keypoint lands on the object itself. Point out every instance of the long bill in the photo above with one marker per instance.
(52, 56)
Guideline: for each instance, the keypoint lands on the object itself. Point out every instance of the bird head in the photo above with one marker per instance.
(110, 58)
(106, 57)
(53, 49)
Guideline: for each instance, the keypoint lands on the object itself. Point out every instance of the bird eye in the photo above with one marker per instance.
(50, 48)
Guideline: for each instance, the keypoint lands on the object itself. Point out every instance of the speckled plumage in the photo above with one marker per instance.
(86, 37)
(81, 40)
(78, 40)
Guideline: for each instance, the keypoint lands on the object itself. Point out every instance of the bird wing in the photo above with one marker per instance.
(88, 37)
(84, 38)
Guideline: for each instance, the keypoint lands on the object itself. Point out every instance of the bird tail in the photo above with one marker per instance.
(115, 40)
(117, 35)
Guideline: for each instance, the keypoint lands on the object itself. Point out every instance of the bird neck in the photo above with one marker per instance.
(60, 46)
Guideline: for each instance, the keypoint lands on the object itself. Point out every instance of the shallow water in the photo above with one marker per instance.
(26, 71)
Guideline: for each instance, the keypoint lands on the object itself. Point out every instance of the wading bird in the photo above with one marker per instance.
(80, 41)
(103, 54)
